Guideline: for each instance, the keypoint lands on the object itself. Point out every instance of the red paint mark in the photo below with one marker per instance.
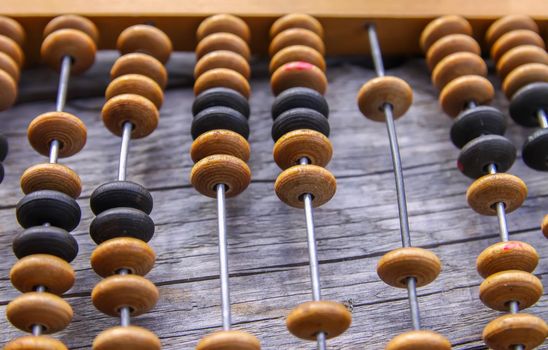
(460, 166)
(511, 245)
(298, 65)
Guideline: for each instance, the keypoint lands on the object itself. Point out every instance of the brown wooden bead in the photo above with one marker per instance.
(31, 342)
(295, 53)
(8, 90)
(133, 291)
(69, 42)
(48, 176)
(140, 63)
(294, 145)
(296, 20)
(45, 309)
(499, 289)
(441, 27)
(456, 65)
(515, 329)
(8, 65)
(514, 39)
(450, 44)
(136, 84)
(146, 39)
(126, 338)
(524, 75)
(380, 91)
(54, 273)
(229, 340)
(455, 95)
(296, 36)
(220, 169)
(66, 128)
(294, 182)
(138, 110)
(310, 318)
(298, 74)
(222, 59)
(507, 24)
(223, 23)
(484, 193)
(396, 266)
(12, 29)
(415, 340)
(222, 77)
(127, 253)
(223, 41)
(544, 226)
(502, 256)
(12, 49)
(520, 55)
(73, 22)
(220, 142)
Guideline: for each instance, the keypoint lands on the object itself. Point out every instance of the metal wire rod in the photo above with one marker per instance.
(501, 210)
(60, 103)
(223, 258)
(37, 329)
(125, 312)
(124, 150)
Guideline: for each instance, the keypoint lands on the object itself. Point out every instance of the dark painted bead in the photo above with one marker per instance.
(535, 150)
(120, 194)
(299, 118)
(221, 97)
(45, 240)
(3, 147)
(1, 172)
(46, 206)
(299, 97)
(477, 154)
(121, 222)
(219, 118)
(526, 103)
(474, 122)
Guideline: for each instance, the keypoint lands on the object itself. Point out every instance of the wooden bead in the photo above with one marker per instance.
(73, 22)
(223, 23)
(377, 92)
(140, 111)
(310, 318)
(55, 274)
(499, 289)
(229, 340)
(136, 84)
(514, 39)
(220, 141)
(396, 266)
(220, 169)
(126, 338)
(295, 53)
(146, 39)
(48, 176)
(484, 193)
(223, 41)
(66, 128)
(222, 59)
(140, 63)
(12, 29)
(415, 340)
(46, 309)
(450, 44)
(296, 36)
(441, 27)
(455, 95)
(32, 342)
(544, 226)
(456, 65)
(502, 256)
(294, 145)
(298, 74)
(520, 55)
(507, 24)
(222, 77)
(133, 291)
(515, 329)
(524, 75)
(127, 253)
(294, 182)
(69, 42)
(10, 48)
(296, 20)
(8, 90)
(8, 65)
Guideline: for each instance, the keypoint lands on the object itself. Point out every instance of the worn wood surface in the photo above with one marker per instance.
(267, 242)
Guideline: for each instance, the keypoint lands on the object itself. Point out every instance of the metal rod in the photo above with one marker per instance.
(223, 258)
(514, 309)
(125, 312)
(124, 150)
(542, 118)
(375, 50)
(471, 104)
(54, 151)
(63, 83)
(413, 303)
(501, 211)
(38, 329)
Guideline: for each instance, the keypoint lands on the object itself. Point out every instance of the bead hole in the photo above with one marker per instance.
(131, 310)
(301, 197)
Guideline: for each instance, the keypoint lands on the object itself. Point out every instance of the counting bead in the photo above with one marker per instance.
(298, 74)
(66, 128)
(223, 23)
(479, 153)
(222, 59)
(296, 20)
(396, 266)
(121, 222)
(499, 289)
(507, 24)
(526, 103)
(214, 118)
(120, 194)
(136, 84)
(46, 206)
(10, 48)
(378, 92)
(32, 342)
(49, 271)
(295, 53)
(8, 65)
(126, 338)
(72, 22)
(415, 340)
(69, 42)
(140, 63)
(520, 55)
(524, 75)
(477, 121)
(458, 92)
(45, 240)
(507, 331)
(8, 90)
(299, 118)
(229, 340)
(221, 97)
(490, 189)
(4, 146)
(219, 141)
(502, 256)
(299, 97)
(222, 77)
(146, 39)
(450, 44)
(513, 39)
(441, 27)
(1, 172)
(12, 29)
(220, 169)
(51, 176)
(535, 150)
(544, 226)
(138, 110)
(302, 143)
(456, 65)
(298, 180)
(34, 308)
(223, 41)
(296, 36)
(127, 253)
(310, 318)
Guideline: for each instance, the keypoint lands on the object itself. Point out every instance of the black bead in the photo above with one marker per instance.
(46, 206)
(120, 194)
(527, 102)
(3, 147)
(1, 172)
(219, 118)
(299, 118)
(477, 154)
(299, 97)
(221, 97)
(535, 150)
(474, 122)
(45, 240)
(121, 222)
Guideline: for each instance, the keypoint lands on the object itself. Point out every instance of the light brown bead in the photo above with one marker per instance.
(126, 338)
(133, 291)
(502, 256)
(136, 84)
(443, 26)
(140, 63)
(73, 22)
(145, 39)
(456, 65)
(69, 42)
(499, 289)
(220, 169)
(8, 65)
(484, 193)
(380, 91)
(140, 111)
(8, 90)
(222, 59)
(223, 41)
(294, 182)
(296, 20)
(296, 36)
(507, 24)
(12, 29)
(54, 273)
(31, 342)
(298, 74)
(229, 340)
(220, 141)
(514, 39)
(66, 128)
(48, 176)
(127, 253)
(222, 77)
(450, 44)
(524, 75)
(515, 329)
(396, 266)
(310, 318)
(45, 309)
(455, 95)
(12, 49)
(223, 23)
(520, 55)
(544, 226)
(294, 145)
(296, 53)
(419, 340)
